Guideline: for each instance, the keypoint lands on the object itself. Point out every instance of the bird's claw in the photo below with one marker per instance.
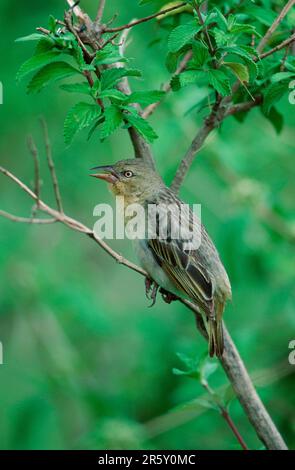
(151, 290)
(167, 296)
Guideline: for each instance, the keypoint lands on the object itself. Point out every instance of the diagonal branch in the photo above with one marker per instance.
(143, 20)
(275, 24)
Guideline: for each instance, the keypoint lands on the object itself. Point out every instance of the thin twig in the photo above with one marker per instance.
(276, 48)
(51, 165)
(274, 25)
(211, 48)
(26, 220)
(100, 11)
(37, 182)
(225, 414)
(143, 20)
(73, 4)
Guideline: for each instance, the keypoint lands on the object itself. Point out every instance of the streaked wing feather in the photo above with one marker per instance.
(185, 271)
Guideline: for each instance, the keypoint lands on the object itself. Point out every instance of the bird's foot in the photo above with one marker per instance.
(151, 290)
(167, 296)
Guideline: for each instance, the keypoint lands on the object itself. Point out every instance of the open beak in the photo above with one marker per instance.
(108, 174)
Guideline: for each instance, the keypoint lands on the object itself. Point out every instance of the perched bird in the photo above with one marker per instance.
(195, 274)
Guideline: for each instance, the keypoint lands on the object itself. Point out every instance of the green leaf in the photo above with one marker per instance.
(80, 116)
(49, 73)
(272, 94)
(244, 28)
(200, 55)
(30, 37)
(113, 93)
(52, 24)
(113, 119)
(145, 98)
(245, 53)
(181, 35)
(204, 403)
(219, 81)
(220, 19)
(141, 125)
(108, 56)
(36, 62)
(172, 61)
(280, 76)
(275, 118)
(112, 76)
(83, 88)
(188, 77)
(44, 45)
(222, 38)
(239, 70)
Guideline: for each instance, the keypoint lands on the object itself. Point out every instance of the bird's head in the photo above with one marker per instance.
(133, 179)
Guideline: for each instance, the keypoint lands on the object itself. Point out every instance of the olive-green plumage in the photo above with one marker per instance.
(195, 274)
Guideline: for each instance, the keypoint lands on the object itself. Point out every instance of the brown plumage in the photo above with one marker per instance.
(196, 274)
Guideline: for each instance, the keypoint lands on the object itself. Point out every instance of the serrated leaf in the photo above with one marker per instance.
(200, 55)
(188, 77)
(36, 62)
(108, 56)
(244, 28)
(113, 93)
(49, 73)
(181, 35)
(145, 98)
(219, 81)
(83, 88)
(244, 52)
(44, 45)
(272, 94)
(112, 76)
(275, 118)
(239, 70)
(280, 76)
(222, 38)
(30, 37)
(80, 116)
(142, 126)
(220, 19)
(171, 61)
(113, 119)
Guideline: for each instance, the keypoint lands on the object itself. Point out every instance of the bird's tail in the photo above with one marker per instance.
(215, 333)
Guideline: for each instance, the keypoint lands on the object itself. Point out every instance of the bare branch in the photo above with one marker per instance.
(275, 24)
(143, 20)
(51, 166)
(73, 4)
(241, 107)
(26, 220)
(34, 152)
(277, 48)
(100, 11)
(225, 414)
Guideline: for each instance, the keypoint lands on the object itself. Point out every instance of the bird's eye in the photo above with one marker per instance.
(128, 174)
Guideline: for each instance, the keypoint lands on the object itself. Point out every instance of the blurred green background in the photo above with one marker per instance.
(86, 363)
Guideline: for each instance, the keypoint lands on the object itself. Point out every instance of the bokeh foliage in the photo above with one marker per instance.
(86, 364)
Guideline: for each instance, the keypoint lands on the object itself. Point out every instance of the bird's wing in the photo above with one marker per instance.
(185, 271)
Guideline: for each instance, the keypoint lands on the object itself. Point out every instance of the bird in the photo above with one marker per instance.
(195, 274)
